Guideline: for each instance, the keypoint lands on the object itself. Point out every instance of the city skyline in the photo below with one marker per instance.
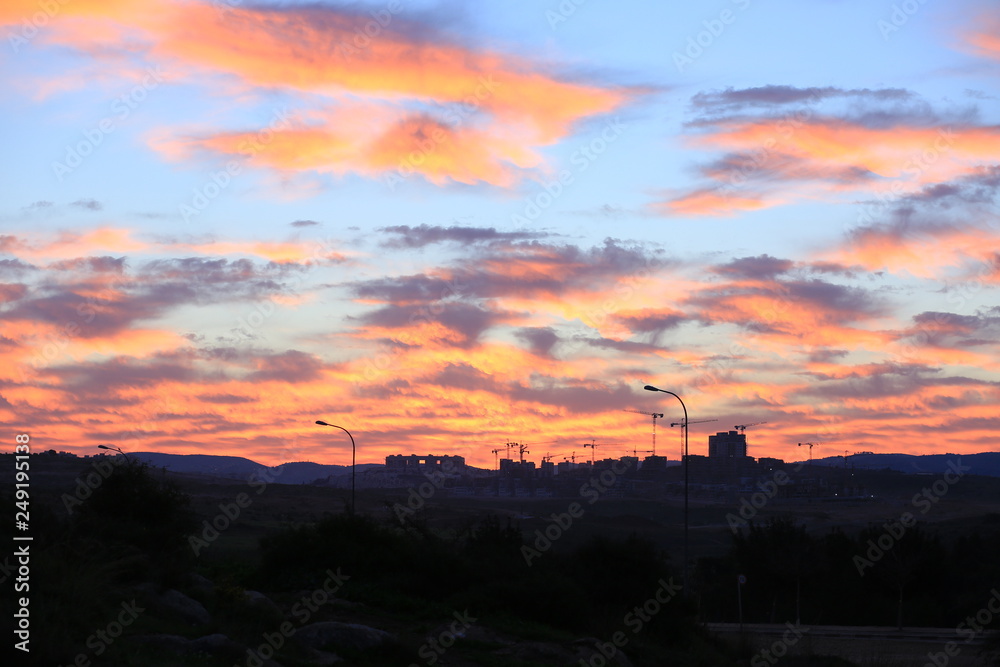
(445, 228)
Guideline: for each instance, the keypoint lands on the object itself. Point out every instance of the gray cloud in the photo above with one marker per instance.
(89, 204)
(732, 99)
(540, 340)
(761, 267)
(404, 236)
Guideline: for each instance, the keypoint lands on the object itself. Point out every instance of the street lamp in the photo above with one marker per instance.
(650, 387)
(116, 449)
(353, 458)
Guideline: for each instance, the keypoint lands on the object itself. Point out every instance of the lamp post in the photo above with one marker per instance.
(650, 387)
(116, 449)
(353, 458)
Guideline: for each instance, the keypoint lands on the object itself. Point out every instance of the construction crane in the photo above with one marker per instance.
(496, 459)
(742, 428)
(655, 416)
(593, 449)
(571, 457)
(685, 425)
(810, 445)
(692, 421)
(522, 449)
(547, 457)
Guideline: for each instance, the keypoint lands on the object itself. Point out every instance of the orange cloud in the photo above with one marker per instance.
(736, 350)
(298, 252)
(69, 244)
(926, 253)
(376, 142)
(318, 50)
(712, 203)
(984, 38)
(824, 156)
(427, 104)
(39, 14)
(914, 155)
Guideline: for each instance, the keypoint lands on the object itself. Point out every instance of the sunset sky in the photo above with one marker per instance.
(446, 226)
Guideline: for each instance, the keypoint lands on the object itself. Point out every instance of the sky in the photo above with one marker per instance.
(448, 226)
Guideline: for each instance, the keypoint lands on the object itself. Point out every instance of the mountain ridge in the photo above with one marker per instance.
(307, 472)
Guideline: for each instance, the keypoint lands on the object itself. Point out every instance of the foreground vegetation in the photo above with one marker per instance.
(481, 592)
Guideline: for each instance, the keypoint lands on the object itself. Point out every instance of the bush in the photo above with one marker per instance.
(134, 508)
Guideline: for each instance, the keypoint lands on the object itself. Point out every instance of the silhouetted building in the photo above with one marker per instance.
(654, 463)
(768, 464)
(727, 445)
(417, 464)
(517, 468)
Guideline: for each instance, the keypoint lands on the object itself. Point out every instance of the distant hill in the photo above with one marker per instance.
(237, 467)
(305, 472)
(986, 463)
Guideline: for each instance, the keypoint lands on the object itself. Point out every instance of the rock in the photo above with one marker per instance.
(487, 635)
(582, 650)
(260, 601)
(218, 645)
(167, 644)
(323, 658)
(201, 585)
(189, 610)
(350, 636)
(587, 648)
(537, 652)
